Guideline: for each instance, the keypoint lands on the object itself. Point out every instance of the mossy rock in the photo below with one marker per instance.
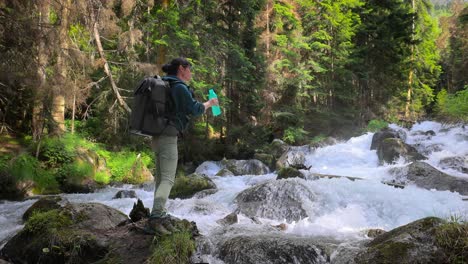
(267, 159)
(49, 237)
(43, 205)
(289, 172)
(411, 243)
(224, 172)
(187, 186)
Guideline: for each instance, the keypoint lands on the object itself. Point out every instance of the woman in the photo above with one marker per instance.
(178, 74)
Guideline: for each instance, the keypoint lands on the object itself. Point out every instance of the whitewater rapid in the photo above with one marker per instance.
(343, 209)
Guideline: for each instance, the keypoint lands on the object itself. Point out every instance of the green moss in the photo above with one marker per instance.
(392, 252)
(43, 222)
(376, 125)
(174, 249)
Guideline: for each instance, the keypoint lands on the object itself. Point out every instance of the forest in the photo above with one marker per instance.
(295, 70)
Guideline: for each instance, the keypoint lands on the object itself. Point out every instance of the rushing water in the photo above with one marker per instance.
(344, 208)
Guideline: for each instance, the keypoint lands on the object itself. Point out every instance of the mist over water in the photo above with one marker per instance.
(342, 208)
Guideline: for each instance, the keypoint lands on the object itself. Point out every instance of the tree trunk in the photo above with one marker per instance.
(58, 100)
(161, 55)
(411, 73)
(38, 118)
(115, 89)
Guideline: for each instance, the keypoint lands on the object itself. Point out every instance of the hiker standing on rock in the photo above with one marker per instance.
(178, 74)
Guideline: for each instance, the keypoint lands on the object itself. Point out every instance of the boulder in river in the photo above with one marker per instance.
(289, 172)
(187, 186)
(272, 249)
(391, 149)
(456, 163)
(428, 177)
(381, 136)
(245, 167)
(280, 199)
(125, 194)
(44, 204)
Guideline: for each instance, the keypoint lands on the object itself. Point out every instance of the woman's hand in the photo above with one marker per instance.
(210, 103)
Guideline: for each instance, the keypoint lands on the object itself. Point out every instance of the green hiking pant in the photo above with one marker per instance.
(165, 148)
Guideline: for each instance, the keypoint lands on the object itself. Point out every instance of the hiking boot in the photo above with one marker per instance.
(155, 226)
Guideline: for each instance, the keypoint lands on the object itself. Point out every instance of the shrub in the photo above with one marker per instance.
(376, 125)
(74, 172)
(295, 135)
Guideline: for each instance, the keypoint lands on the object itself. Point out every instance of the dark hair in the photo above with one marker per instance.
(173, 67)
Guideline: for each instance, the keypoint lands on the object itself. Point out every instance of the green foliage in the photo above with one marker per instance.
(453, 237)
(42, 222)
(74, 172)
(174, 249)
(24, 167)
(121, 163)
(376, 124)
(55, 151)
(295, 135)
(53, 17)
(102, 177)
(453, 106)
(80, 36)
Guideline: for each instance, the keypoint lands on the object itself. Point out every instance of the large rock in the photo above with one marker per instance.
(245, 167)
(294, 157)
(281, 199)
(271, 249)
(415, 242)
(54, 236)
(391, 149)
(89, 233)
(277, 147)
(381, 136)
(428, 177)
(187, 186)
(456, 163)
(125, 194)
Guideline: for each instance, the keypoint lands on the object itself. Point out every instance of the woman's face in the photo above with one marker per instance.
(184, 73)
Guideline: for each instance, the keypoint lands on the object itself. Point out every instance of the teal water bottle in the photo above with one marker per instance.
(215, 108)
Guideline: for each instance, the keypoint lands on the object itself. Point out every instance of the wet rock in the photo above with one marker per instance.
(391, 149)
(187, 186)
(229, 219)
(328, 141)
(277, 148)
(346, 252)
(71, 185)
(381, 136)
(267, 159)
(292, 158)
(96, 216)
(283, 199)
(245, 167)
(456, 163)
(289, 172)
(125, 194)
(224, 172)
(372, 233)
(205, 193)
(271, 249)
(43, 205)
(411, 243)
(139, 211)
(428, 177)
